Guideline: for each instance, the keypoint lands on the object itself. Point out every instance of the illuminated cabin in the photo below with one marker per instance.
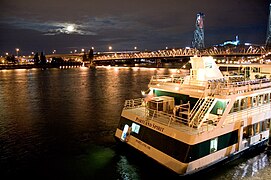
(187, 123)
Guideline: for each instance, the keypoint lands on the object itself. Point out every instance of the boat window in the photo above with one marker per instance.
(250, 131)
(124, 132)
(254, 99)
(256, 128)
(255, 69)
(268, 123)
(249, 99)
(235, 106)
(261, 99)
(245, 133)
(263, 125)
(243, 103)
(265, 100)
(213, 145)
(135, 128)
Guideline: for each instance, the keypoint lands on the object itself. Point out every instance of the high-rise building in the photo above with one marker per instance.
(198, 40)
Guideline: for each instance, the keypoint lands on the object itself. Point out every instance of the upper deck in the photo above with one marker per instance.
(141, 109)
(208, 98)
(217, 87)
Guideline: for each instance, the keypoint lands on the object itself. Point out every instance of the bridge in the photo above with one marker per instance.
(231, 52)
(185, 52)
(226, 51)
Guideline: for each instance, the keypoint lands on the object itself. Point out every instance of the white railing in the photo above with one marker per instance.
(237, 116)
(167, 79)
(140, 108)
(220, 87)
(134, 103)
(216, 87)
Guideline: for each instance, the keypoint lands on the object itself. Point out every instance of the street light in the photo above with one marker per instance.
(17, 51)
(110, 48)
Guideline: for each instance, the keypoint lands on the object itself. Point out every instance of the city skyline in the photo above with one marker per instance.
(64, 26)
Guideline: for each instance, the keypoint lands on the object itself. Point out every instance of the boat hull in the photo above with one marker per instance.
(185, 168)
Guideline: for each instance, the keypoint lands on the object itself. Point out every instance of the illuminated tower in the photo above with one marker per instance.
(198, 40)
(268, 36)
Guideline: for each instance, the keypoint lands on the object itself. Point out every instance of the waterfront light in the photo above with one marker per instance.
(17, 51)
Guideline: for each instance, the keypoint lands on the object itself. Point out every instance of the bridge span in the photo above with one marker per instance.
(226, 53)
(233, 51)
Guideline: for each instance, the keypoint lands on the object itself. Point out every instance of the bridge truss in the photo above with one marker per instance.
(186, 52)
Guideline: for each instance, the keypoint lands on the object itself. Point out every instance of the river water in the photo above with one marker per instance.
(59, 124)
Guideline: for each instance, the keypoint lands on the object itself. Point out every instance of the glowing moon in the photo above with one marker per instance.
(70, 28)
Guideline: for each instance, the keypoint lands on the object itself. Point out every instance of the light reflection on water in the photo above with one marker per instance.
(60, 124)
(126, 170)
(254, 167)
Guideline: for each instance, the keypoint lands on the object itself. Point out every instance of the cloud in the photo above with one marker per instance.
(120, 23)
(49, 28)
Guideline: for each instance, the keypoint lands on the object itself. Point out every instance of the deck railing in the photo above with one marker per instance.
(167, 79)
(220, 87)
(249, 112)
(168, 119)
(133, 103)
(216, 87)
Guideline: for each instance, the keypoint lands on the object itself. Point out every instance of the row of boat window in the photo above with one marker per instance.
(254, 129)
(239, 81)
(249, 102)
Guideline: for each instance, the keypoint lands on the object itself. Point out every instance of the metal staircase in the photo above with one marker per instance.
(199, 110)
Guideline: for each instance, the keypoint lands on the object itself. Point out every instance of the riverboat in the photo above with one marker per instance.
(189, 123)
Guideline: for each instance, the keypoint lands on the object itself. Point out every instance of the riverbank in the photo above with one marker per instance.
(42, 66)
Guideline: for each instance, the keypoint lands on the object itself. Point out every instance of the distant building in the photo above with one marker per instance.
(236, 42)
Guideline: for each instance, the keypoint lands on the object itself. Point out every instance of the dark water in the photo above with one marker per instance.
(59, 124)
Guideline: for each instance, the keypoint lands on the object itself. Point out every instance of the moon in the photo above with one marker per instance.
(70, 28)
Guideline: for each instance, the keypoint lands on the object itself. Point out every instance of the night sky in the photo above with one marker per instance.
(66, 25)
